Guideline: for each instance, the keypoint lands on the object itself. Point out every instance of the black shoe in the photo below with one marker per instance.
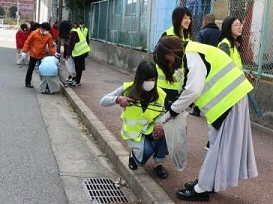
(207, 146)
(190, 185)
(191, 195)
(161, 171)
(29, 86)
(195, 113)
(132, 164)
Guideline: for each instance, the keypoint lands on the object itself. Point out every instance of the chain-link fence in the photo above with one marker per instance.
(138, 24)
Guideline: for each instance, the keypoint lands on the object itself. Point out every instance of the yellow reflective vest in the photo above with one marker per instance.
(135, 122)
(161, 81)
(84, 31)
(225, 84)
(234, 53)
(81, 47)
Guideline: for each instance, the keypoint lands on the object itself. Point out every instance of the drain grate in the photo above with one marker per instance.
(103, 190)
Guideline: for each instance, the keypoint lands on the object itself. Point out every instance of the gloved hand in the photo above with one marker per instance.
(124, 101)
(158, 132)
(57, 55)
(24, 55)
(166, 117)
(179, 72)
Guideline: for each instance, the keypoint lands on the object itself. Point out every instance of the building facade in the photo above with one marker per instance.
(26, 8)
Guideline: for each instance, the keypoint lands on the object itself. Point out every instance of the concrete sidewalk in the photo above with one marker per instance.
(104, 123)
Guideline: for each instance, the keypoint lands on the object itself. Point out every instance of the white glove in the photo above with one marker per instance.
(57, 55)
(166, 117)
(24, 55)
(179, 72)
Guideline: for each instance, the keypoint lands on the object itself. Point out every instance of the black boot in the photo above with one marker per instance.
(192, 195)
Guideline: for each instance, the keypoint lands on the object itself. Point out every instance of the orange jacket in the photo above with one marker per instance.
(36, 44)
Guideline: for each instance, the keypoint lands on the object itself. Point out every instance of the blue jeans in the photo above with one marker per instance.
(157, 148)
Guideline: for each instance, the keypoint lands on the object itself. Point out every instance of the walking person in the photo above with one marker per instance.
(36, 44)
(77, 47)
(143, 104)
(182, 28)
(219, 88)
(21, 37)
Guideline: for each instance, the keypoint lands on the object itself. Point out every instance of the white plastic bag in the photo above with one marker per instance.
(70, 66)
(176, 133)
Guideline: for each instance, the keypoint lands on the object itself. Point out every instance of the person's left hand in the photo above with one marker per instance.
(166, 117)
(158, 132)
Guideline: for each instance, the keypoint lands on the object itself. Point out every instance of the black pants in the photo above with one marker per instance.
(79, 66)
(31, 66)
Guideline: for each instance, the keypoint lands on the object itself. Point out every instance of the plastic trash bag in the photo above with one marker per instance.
(70, 66)
(176, 138)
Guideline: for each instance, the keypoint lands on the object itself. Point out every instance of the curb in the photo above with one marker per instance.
(140, 182)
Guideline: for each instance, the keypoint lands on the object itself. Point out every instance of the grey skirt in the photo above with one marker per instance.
(231, 154)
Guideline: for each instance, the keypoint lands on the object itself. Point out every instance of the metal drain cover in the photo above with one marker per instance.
(103, 190)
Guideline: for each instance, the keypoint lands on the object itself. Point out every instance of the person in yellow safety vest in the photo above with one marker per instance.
(219, 88)
(230, 38)
(77, 48)
(84, 30)
(143, 103)
(182, 28)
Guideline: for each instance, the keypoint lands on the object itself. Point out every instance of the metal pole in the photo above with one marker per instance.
(60, 17)
(212, 6)
(149, 19)
(18, 13)
(263, 37)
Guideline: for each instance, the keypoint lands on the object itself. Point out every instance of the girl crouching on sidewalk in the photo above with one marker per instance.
(143, 104)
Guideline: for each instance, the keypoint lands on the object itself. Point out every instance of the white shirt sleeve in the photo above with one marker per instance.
(110, 98)
(194, 83)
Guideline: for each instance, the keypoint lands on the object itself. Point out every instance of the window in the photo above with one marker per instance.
(131, 7)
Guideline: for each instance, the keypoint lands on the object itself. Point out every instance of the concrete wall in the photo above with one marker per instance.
(120, 57)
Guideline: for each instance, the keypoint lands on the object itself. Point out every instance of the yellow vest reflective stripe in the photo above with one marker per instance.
(81, 47)
(234, 53)
(225, 84)
(161, 81)
(135, 122)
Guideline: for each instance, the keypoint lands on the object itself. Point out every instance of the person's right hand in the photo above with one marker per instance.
(23, 54)
(124, 101)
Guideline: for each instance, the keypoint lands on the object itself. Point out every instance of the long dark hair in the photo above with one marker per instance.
(145, 70)
(64, 29)
(169, 45)
(227, 33)
(177, 17)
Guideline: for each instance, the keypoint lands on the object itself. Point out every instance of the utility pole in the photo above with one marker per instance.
(60, 13)
(18, 13)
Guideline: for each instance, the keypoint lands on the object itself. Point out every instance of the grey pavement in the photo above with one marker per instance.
(99, 79)
(46, 152)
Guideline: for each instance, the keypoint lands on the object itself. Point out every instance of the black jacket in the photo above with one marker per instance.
(209, 35)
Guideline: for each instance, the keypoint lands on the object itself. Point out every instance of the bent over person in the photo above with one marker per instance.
(219, 88)
(36, 45)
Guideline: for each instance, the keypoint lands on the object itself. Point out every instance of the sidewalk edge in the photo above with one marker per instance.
(140, 182)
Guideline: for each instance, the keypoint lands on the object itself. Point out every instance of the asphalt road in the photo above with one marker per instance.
(45, 152)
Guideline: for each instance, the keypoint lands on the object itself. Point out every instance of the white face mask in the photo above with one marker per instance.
(148, 85)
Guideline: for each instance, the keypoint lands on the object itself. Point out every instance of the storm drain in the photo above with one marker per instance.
(103, 190)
